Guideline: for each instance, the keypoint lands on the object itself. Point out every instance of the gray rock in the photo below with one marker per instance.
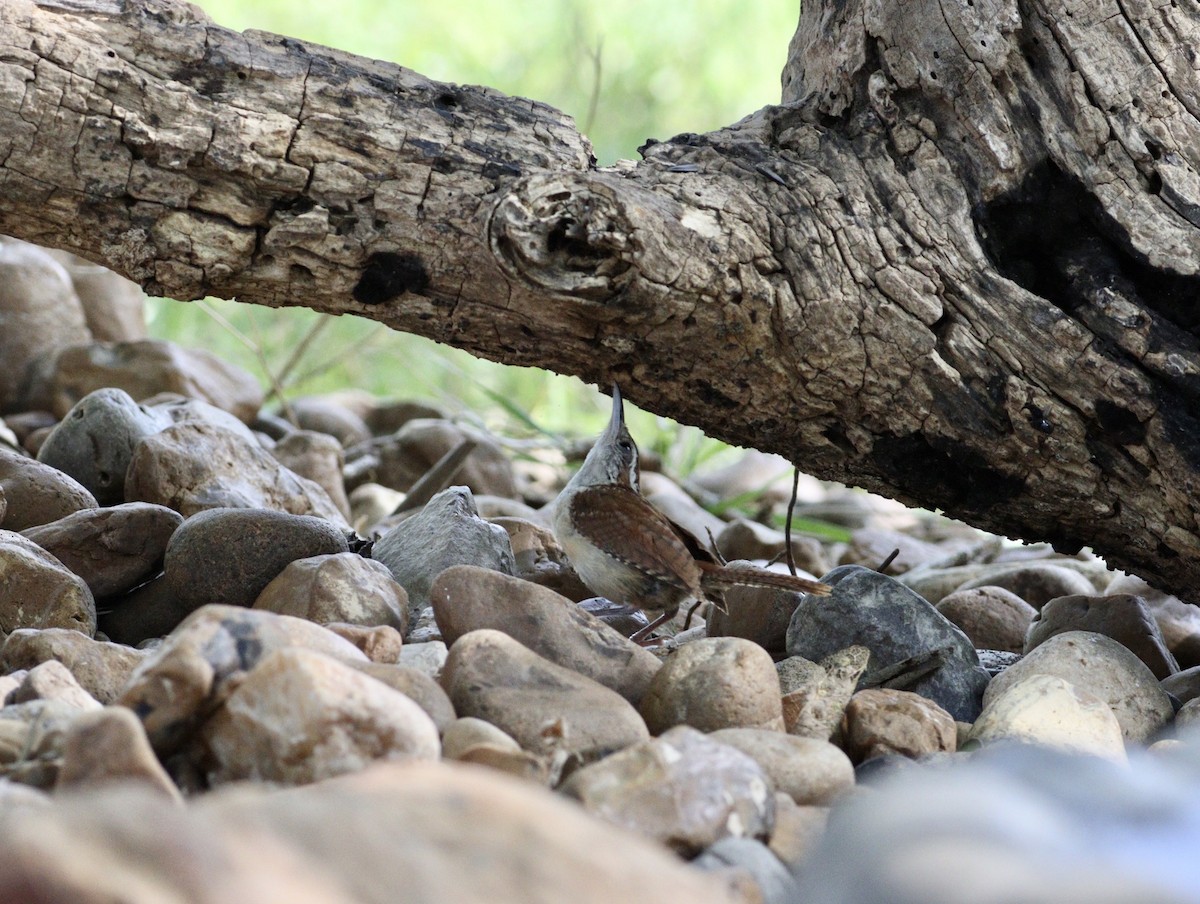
(447, 531)
(714, 683)
(894, 623)
(94, 442)
(223, 555)
(100, 667)
(1108, 670)
(1125, 618)
(194, 466)
(1184, 685)
(338, 587)
(467, 598)
(113, 549)
(545, 707)
(683, 789)
(775, 884)
(36, 494)
(39, 591)
(1018, 823)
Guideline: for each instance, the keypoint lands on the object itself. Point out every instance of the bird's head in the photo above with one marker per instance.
(614, 457)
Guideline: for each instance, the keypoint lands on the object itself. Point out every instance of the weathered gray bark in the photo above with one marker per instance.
(958, 266)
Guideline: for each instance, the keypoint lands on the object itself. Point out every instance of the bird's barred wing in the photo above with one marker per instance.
(631, 530)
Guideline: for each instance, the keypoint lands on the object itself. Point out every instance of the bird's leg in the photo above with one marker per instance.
(641, 635)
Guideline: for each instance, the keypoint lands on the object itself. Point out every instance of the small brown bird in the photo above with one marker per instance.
(625, 549)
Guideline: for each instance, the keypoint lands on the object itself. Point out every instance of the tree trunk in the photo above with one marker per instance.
(957, 266)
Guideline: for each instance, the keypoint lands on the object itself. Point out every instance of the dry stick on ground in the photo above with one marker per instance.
(957, 266)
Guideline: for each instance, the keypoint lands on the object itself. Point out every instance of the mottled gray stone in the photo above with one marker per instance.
(894, 623)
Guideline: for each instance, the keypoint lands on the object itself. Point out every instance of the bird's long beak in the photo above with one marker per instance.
(617, 421)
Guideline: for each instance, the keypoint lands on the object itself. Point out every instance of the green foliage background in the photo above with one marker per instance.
(627, 70)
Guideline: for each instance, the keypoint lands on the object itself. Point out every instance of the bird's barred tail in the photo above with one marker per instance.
(748, 575)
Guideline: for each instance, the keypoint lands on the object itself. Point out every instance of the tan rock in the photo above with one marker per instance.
(113, 306)
(191, 673)
(871, 546)
(193, 466)
(109, 745)
(430, 833)
(471, 740)
(881, 721)
(416, 685)
(125, 842)
(745, 539)
(1125, 618)
(340, 587)
(683, 789)
(381, 644)
(337, 414)
(1035, 582)
(100, 667)
(467, 598)
(815, 695)
(51, 680)
(534, 546)
(301, 716)
(810, 771)
(467, 732)
(796, 831)
(544, 706)
(318, 457)
(713, 683)
(1044, 709)
(38, 591)
(113, 549)
(994, 618)
(35, 493)
(1100, 665)
(429, 657)
(757, 614)
(40, 311)
(404, 456)
(370, 504)
(143, 368)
